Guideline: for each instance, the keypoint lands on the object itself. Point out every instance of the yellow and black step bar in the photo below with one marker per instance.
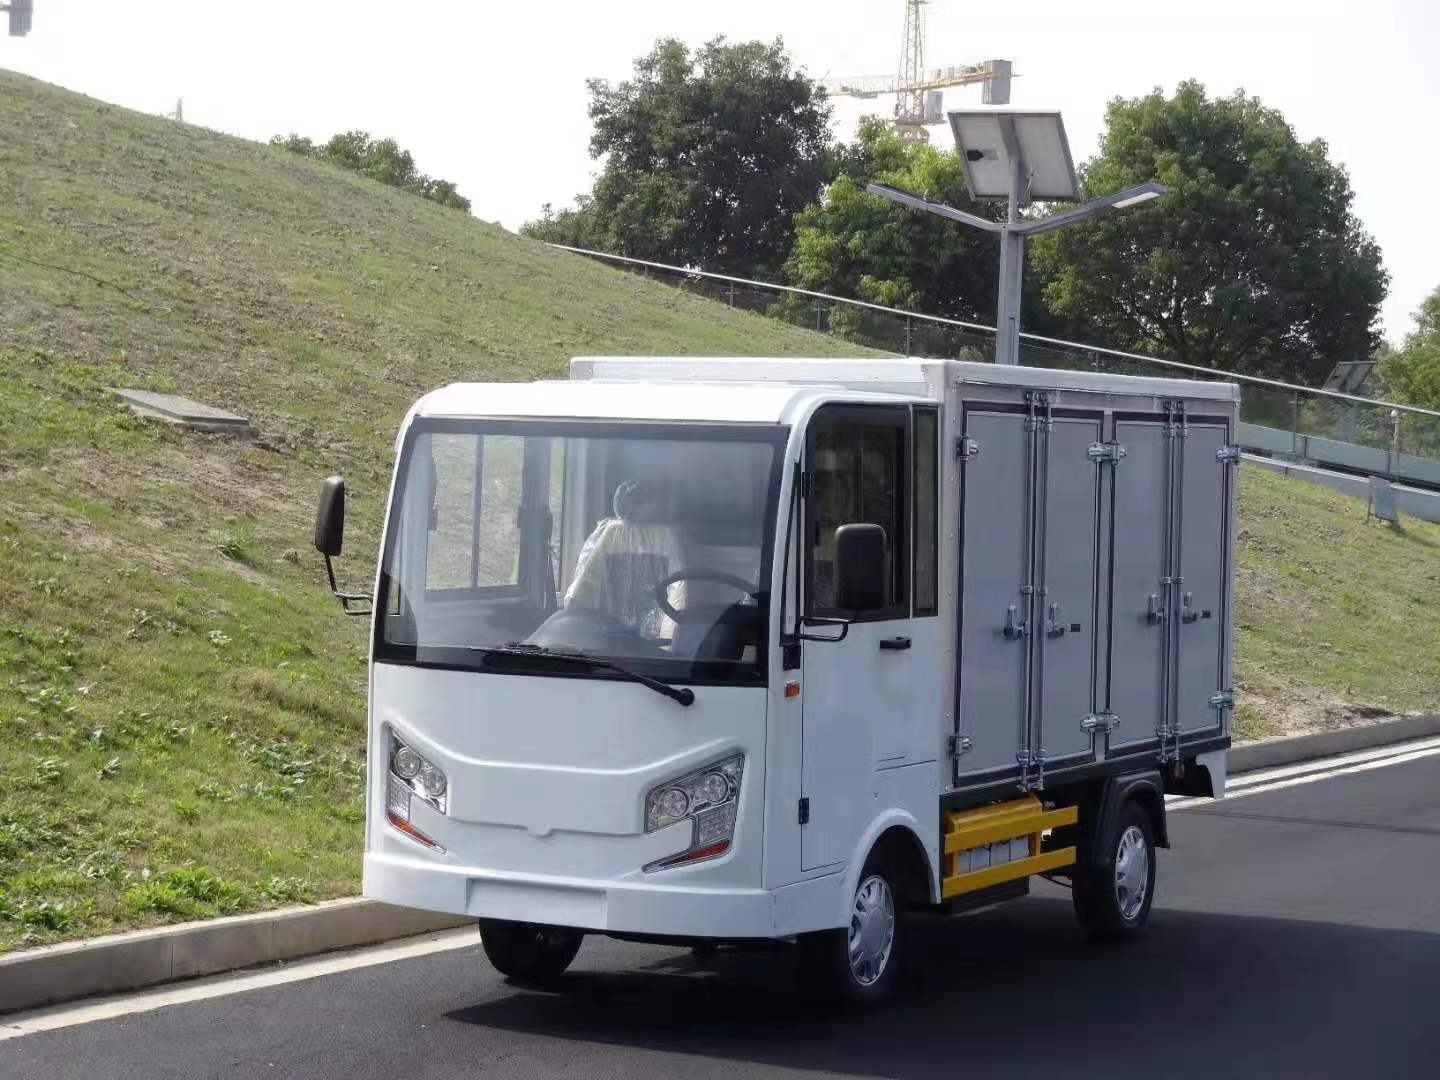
(1001, 842)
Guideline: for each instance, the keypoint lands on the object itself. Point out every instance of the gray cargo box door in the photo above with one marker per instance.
(1204, 519)
(1064, 637)
(1137, 652)
(995, 559)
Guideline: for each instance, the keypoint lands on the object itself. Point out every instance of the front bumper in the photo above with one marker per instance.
(608, 906)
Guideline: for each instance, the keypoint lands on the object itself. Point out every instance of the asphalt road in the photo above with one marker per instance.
(1296, 933)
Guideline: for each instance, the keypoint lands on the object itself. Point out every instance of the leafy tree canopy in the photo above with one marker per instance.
(379, 159)
(1413, 370)
(1254, 262)
(707, 157)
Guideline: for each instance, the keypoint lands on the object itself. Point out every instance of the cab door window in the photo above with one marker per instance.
(859, 468)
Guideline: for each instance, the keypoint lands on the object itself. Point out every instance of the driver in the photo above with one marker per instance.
(625, 558)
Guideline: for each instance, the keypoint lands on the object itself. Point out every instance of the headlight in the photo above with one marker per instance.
(709, 798)
(411, 776)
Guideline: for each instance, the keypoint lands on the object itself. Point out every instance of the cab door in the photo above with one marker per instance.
(871, 697)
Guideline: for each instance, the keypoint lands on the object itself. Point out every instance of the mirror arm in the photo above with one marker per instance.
(350, 603)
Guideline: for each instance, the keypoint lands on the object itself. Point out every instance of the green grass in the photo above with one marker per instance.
(181, 702)
(1337, 620)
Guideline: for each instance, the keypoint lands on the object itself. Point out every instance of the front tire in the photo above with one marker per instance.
(529, 952)
(1113, 897)
(861, 963)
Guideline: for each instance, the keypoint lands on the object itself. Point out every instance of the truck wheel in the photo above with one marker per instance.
(860, 963)
(1112, 898)
(528, 952)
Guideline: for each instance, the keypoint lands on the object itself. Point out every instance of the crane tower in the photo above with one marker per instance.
(918, 90)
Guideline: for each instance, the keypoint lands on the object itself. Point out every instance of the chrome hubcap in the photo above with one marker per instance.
(872, 930)
(1132, 872)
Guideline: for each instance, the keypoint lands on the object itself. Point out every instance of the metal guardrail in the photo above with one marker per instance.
(1324, 426)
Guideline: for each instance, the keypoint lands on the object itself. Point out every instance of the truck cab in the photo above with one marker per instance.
(672, 650)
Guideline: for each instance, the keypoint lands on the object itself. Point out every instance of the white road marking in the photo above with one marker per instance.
(1241, 791)
(1261, 776)
(84, 1012)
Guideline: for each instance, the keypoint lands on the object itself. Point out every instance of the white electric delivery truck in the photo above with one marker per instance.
(704, 650)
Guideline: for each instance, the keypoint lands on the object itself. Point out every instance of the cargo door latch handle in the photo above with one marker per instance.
(1014, 628)
(894, 644)
(1054, 627)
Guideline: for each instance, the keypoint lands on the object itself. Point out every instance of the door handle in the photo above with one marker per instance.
(894, 644)
(1154, 610)
(1055, 627)
(1015, 627)
(1188, 614)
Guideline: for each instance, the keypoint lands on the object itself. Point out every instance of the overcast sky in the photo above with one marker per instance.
(492, 95)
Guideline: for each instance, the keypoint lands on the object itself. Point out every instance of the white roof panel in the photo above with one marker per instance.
(910, 376)
(601, 400)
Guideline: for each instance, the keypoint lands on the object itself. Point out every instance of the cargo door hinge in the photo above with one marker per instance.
(960, 744)
(1028, 760)
(1106, 453)
(967, 449)
(1228, 455)
(804, 812)
(1100, 721)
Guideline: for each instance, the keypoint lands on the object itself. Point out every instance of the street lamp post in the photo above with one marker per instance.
(1018, 156)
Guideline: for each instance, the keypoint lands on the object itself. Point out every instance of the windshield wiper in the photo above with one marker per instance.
(683, 694)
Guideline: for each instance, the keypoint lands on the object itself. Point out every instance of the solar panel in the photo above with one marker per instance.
(1349, 376)
(990, 139)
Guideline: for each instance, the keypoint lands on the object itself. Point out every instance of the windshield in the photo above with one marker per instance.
(638, 543)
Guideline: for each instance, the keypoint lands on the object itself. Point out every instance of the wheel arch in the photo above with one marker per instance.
(899, 834)
(1147, 790)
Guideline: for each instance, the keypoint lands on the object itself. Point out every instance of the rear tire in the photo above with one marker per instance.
(529, 952)
(859, 965)
(1113, 897)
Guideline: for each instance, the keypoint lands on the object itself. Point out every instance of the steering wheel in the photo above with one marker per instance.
(698, 573)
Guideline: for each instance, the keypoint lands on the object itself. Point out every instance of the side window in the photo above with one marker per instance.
(859, 474)
(450, 549)
(477, 486)
(926, 498)
(502, 459)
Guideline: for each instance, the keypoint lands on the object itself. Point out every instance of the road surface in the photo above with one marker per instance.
(1296, 933)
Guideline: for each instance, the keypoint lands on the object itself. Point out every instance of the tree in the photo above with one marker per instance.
(379, 159)
(860, 246)
(707, 157)
(1254, 262)
(1413, 370)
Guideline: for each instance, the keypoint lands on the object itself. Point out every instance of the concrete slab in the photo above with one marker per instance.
(182, 411)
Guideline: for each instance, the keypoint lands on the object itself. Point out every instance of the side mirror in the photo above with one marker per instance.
(329, 538)
(860, 559)
(330, 517)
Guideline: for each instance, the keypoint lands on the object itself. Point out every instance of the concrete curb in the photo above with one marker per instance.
(1269, 753)
(121, 962)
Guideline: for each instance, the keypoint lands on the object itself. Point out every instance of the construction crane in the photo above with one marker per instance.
(918, 90)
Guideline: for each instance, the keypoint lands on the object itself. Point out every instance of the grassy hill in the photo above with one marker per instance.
(180, 700)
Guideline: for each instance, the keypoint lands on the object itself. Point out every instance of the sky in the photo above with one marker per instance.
(492, 95)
